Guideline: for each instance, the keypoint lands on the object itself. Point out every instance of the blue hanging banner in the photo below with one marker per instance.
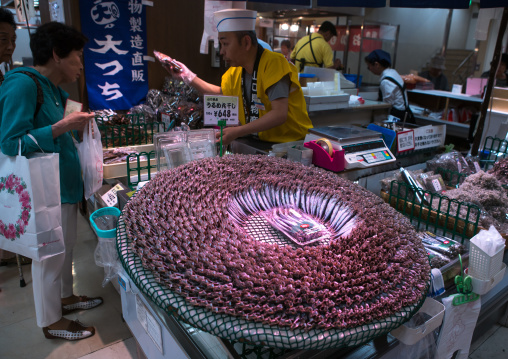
(484, 4)
(115, 69)
(352, 3)
(433, 4)
(287, 2)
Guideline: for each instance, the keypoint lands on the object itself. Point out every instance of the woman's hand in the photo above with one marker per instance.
(74, 121)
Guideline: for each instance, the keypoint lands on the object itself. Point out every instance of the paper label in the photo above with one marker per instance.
(110, 197)
(72, 106)
(220, 108)
(437, 185)
(149, 324)
(429, 136)
(405, 141)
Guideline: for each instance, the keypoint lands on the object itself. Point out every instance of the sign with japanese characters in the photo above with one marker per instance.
(405, 141)
(219, 108)
(429, 136)
(115, 68)
(371, 38)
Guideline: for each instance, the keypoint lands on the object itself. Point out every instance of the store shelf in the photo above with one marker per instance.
(448, 94)
(452, 128)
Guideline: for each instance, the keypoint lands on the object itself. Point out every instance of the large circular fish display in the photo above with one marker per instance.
(272, 241)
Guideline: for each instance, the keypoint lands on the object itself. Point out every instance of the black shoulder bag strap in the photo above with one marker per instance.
(40, 94)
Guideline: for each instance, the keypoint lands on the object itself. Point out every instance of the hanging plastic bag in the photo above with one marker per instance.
(90, 157)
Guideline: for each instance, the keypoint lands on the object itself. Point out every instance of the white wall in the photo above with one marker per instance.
(422, 32)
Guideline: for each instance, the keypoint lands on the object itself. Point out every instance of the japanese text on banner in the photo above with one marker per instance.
(116, 73)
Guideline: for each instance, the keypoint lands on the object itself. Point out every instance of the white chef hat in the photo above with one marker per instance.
(235, 20)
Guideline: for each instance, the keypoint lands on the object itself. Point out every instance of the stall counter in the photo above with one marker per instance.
(357, 114)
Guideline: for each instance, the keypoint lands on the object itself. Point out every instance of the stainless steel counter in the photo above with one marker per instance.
(351, 115)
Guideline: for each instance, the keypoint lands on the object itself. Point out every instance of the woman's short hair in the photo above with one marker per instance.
(286, 43)
(7, 17)
(55, 36)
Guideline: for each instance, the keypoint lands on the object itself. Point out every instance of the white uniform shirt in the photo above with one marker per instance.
(389, 91)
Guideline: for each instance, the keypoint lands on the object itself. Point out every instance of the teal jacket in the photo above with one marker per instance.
(18, 99)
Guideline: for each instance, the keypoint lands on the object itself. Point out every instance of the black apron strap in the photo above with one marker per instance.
(400, 113)
(249, 106)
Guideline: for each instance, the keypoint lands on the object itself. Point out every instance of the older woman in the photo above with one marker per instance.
(57, 50)
(7, 37)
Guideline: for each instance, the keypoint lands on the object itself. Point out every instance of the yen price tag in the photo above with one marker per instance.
(221, 108)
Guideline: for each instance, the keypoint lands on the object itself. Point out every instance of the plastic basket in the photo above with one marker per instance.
(481, 286)
(410, 336)
(105, 254)
(110, 233)
(353, 78)
(481, 265)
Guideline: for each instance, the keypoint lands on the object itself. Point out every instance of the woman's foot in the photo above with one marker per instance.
(73, 303)
(68, 330)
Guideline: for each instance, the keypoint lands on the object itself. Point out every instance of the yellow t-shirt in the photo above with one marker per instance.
(272, 68)
(322, 51)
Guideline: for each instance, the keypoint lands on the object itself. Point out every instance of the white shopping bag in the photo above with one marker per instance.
(30, 217)
(90, 157)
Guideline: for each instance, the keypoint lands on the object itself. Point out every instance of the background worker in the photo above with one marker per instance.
(285, 49)
(314, 49)
(391, 87)
(501, 73)
(435, 73)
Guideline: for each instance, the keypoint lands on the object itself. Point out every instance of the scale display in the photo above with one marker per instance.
(362, 147)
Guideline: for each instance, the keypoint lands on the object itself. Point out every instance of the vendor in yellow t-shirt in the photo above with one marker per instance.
(270, 97)
(314, 49)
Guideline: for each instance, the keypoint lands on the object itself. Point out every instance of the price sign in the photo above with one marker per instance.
(221, 108)
(110, 197)
(405, 141)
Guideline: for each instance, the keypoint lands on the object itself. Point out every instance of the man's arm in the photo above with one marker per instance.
(191, 79)
(276, 117)
(204, 87)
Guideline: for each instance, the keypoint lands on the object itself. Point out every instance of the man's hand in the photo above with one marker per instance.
(229, 134)
(183, 73)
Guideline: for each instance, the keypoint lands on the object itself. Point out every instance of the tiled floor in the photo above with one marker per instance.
(20, 338)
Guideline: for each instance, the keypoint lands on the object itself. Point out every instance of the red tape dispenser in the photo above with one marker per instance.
(325, 156)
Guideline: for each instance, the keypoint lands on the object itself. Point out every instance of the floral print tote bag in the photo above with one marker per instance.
(30, 217)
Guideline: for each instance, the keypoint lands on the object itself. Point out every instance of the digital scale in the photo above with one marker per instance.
(362, 147)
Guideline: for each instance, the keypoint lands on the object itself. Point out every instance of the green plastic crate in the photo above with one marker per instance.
(137, 132)
(138, 172)
(444, 215)
(493, 150)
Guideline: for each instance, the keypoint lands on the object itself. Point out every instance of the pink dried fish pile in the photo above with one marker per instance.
(186, 225)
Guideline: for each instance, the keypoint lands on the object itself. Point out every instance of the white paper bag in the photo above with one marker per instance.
(91, 158)
(30, 217)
